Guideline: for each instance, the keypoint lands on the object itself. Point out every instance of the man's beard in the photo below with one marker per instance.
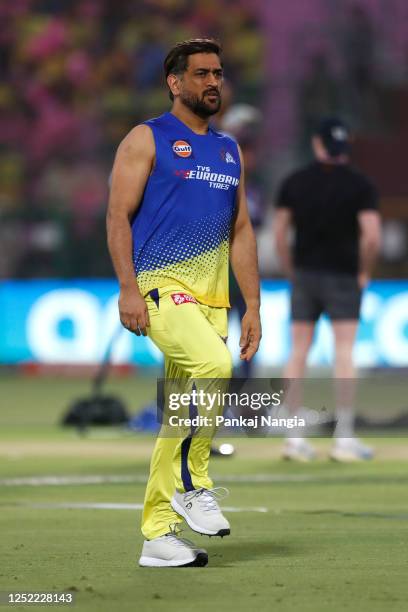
(199, 106)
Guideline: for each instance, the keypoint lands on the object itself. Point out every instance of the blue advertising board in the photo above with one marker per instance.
(54, 321)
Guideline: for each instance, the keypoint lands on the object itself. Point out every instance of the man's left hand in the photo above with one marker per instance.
(250, 334)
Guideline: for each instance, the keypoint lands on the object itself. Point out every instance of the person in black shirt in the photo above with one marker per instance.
(333, 211)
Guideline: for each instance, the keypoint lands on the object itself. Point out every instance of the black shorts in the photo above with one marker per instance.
(315, 292)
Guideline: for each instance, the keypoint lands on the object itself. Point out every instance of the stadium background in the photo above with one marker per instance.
(75, 77)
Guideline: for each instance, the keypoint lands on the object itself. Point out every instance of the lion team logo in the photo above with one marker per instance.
(182, 148)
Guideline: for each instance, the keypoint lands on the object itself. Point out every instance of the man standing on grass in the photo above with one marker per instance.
(177, 213)
(333, 209)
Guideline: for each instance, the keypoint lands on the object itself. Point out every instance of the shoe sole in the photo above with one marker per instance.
(344, 457)
(201, 560)
(221, 532)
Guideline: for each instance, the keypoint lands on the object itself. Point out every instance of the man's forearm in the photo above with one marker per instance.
(285, 256)
(244, 263)
(120, 249)
(369, 249)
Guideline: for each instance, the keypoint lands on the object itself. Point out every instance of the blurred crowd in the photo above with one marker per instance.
(75, 76)
(355, 70)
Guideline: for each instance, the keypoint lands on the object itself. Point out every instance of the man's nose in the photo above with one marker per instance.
(212, 80)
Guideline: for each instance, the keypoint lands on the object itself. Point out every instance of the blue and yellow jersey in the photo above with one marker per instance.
(181, 230)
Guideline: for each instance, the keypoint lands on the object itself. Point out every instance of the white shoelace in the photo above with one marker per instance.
(174, 536)
(207, 498)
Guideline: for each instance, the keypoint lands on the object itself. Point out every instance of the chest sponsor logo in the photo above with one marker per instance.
(215, 180)
(182, 148)
(183, 298)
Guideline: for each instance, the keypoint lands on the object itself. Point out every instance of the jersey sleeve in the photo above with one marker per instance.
(283, 196)
(367, 198)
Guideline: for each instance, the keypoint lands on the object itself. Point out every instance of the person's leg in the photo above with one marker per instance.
(158, 514)
(305, 310)
(343, 307)
(165, 547)
(296, 447)
(213, 378)
(344, 335)
(302, 336)
(344, 372)
(194, 349)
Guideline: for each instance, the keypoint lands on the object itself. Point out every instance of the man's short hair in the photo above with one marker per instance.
(176, 61)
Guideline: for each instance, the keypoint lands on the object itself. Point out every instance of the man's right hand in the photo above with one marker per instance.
(133, 311)
(363, 280)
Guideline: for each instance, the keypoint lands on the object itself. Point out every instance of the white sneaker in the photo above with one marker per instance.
(298, 449)
(201, 510)
(170, 550)
(348, 450)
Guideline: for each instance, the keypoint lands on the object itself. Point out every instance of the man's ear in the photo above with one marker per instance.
(319, 149)
(173, 81)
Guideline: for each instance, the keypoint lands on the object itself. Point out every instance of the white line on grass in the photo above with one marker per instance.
(58, 481)
(40, 481)
(116, 506)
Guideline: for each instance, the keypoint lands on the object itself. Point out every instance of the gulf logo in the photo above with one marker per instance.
(182, 148)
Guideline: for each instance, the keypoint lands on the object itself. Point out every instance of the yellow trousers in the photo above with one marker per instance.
(192, 338)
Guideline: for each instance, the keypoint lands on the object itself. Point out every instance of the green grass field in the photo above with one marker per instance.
(318, 536)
